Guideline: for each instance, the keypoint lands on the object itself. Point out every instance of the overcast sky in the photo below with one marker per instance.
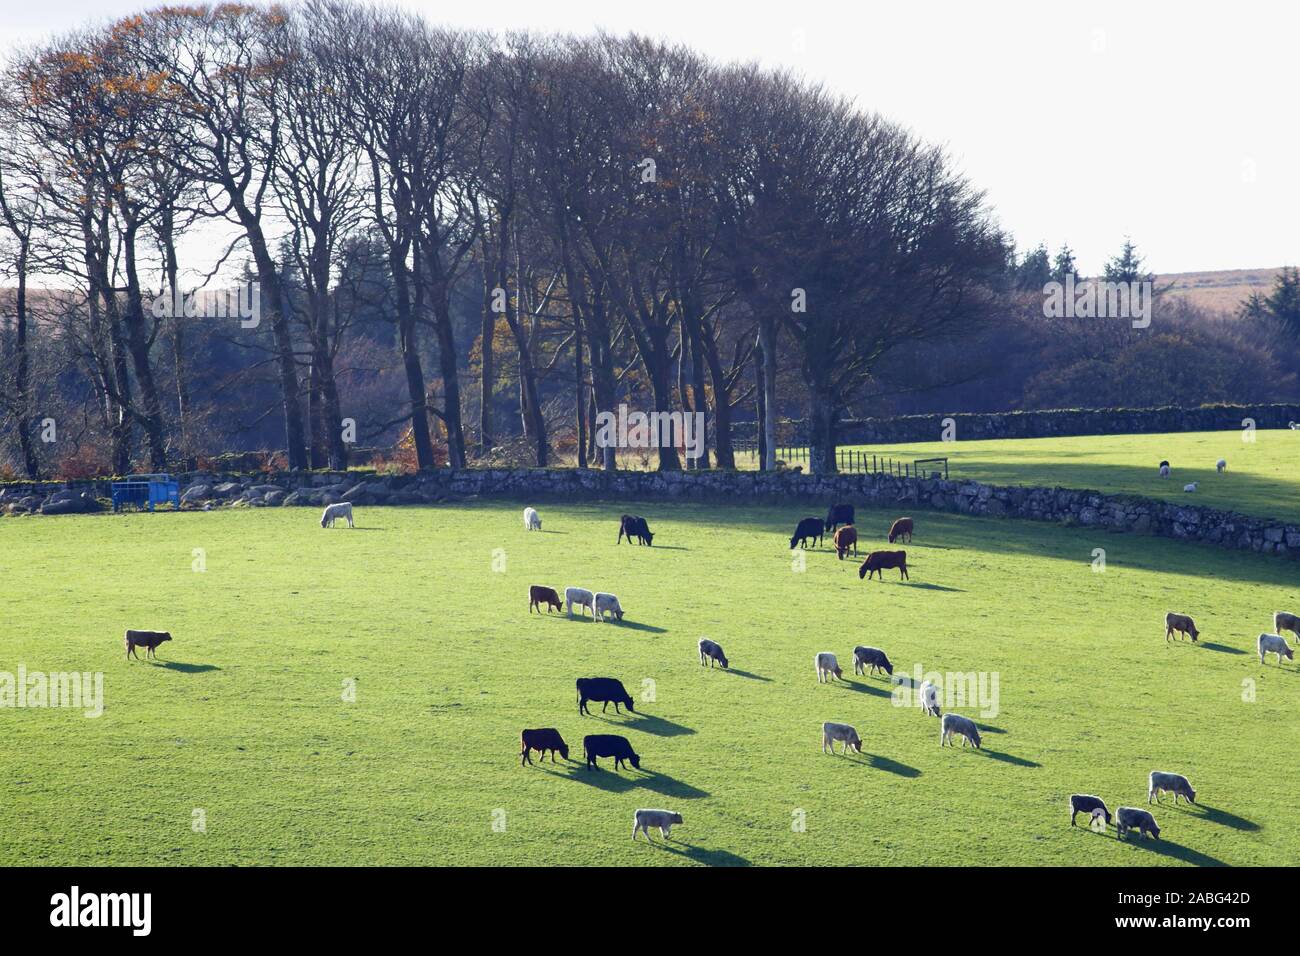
(1173, 123)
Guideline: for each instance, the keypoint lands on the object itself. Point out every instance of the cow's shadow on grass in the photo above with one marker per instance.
(701, 854)
(929, 587)
(1222, 648)
(1174, 850)
(368, 527)
(186, 668)
(1215, 815)
(637, 626)
(864, 688)
(879, 762)
(747, 675)
(623, 781)
(648, 724)
(1008, 758)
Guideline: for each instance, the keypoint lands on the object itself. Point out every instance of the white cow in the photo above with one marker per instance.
(532, 520)
(930, 699)
(643, 820)
(579, 596)
(827, 667)
(1274, 644)
(832, 732)
(342, 509)
(607, 604)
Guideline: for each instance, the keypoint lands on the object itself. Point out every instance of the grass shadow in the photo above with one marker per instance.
(865, 688)
(1222, 648)
(931, 587)
(1221, 817)
(623, 781)
(1174, 850)
(701, 855)
(878, 762)
(1009, 758)
(747, 675)
(187, 668)
(635, 626)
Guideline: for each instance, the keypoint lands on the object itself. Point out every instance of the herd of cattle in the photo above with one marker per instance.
(839, 523)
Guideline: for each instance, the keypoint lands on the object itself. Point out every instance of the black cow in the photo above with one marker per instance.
(609, 745)
(603, 690)
(542, 740)
(808, 528)
(838, 515)
(634, 527)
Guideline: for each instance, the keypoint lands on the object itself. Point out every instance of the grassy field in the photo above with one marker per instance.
(1263, 477)
(243, 717)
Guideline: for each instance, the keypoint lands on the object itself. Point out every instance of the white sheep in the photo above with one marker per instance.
(579, 596)
(1164, 470)
(930, 699)
(532, 520)
(643, 820)
(1274, 644)
(1221, 465)
(607, 604)
(1191, 487)
(845, 734)
(342, 509)
(826, 664)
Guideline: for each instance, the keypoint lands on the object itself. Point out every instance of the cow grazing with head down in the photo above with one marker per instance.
(538, 595)
(837, 515)
(609, 745)
(809, 529)
(603, 690)
(543, 740)
(845, 538)
(634, 526)
(902, 527)
(878, 561)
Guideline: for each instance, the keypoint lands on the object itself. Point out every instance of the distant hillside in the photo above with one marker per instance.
(1224, 291)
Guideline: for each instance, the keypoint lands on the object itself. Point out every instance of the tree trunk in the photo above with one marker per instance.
(408, 346)
(767, 335)
(22, 396)
(821, 453)
(760, 405)
(171, 271)
(486, 425)
(138, 342)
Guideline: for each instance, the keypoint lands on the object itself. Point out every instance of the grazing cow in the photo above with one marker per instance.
(930, 699)
(149, 640)
(582, 598)
(901, 527)
(607, 604)
(542, 740)
(1285, 621)
(1274, 644)
(1160, 782)
(537, 594)
(532, 520)
(809, 528)
(878, 561)
(963, 727)
(634, 527)
(838, 515)
(827, 665)
(1164, 469)
(845, 538)
(643, 820)
(609, 745)
(869, 660)
(1182, 624)
(843, 733)
(711, 651)
(332, 513)
(1135, 818)
(1191, 487)
(1221, 465)
(1085, 803)
(603, 691)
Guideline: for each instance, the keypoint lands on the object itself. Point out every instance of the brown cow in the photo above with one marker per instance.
(903, 526)
(538, 594)
(845, 538)
(879, 560)
(1182, 624)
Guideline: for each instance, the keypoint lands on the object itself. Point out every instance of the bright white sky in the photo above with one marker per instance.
(1172, 123)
